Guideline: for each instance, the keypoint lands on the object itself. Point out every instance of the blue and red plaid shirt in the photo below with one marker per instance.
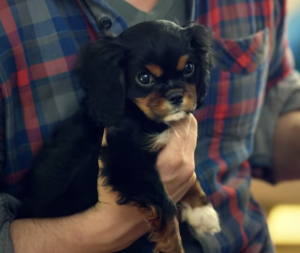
(39, 40)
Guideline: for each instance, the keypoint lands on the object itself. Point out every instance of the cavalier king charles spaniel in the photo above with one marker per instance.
(135, 84)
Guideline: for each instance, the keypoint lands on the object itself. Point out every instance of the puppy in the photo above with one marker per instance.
(135, 84)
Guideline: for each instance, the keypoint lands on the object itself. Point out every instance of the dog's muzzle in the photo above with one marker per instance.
(175, 97)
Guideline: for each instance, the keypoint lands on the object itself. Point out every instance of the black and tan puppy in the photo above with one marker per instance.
(135, 85)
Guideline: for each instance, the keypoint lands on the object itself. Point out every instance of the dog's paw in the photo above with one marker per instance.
(203, 219)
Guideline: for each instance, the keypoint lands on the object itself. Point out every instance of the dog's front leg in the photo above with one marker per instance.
(164, 231)
(198, 212)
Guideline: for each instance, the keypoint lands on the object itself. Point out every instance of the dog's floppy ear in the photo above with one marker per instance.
(200, 39)
(100, 71)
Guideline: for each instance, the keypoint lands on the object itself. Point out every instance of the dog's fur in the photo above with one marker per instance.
(136, 117)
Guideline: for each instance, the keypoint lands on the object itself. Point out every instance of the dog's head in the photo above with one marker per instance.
(161, 67)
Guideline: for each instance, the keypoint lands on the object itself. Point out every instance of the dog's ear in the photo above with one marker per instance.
(101, 75)
(200, 39)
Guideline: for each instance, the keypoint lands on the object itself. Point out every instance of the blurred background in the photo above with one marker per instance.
(282, 202)
(294, 29)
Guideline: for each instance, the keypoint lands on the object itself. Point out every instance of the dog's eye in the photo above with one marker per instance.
(145, 78)
(188, 69)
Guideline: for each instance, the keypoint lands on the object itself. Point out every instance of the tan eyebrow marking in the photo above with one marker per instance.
(181, 62)
(155, 70)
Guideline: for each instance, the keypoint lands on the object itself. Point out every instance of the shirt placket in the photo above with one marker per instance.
(101, 17)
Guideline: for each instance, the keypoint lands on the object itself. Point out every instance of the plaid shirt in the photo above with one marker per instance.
(39, 88)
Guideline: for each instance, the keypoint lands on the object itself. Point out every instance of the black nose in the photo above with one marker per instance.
(175, 97)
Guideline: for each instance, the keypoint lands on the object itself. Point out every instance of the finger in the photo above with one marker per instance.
(179, 135)
(174, 151)
(191, 141)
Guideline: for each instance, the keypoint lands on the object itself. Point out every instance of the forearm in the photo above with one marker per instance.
(101, 230)
(287, 147)
(275, 138)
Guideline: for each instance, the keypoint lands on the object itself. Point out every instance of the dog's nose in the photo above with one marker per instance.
(175, 97)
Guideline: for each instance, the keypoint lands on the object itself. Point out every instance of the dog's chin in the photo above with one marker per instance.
(175, 116)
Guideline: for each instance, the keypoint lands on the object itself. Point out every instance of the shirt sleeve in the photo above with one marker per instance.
(8, 209)
(8, 204)
(282, 96)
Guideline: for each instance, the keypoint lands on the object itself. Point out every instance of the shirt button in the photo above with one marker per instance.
(105, 23)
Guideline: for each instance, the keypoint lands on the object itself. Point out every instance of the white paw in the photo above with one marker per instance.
(203, 219)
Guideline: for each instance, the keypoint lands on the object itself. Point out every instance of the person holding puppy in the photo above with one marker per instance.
(252, 86)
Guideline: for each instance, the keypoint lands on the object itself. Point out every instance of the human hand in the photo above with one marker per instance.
(176, 164)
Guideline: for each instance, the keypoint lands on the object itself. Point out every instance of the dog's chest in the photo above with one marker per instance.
(151, 142)
(157, 141)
